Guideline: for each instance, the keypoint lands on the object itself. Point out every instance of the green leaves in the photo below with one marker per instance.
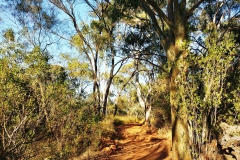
(78, 69)
(33, 95)
(9, 35)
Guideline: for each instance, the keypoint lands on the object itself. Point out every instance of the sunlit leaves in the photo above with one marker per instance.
(17, 101)
(78, 69)
(35, 10)
(95, 35)
(33, 94)
(9, 35)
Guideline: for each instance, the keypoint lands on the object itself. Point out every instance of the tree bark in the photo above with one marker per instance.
(111, 76)
(105, 100)
(142, 101)
(179, 118)
(176, 55)
(148, 109)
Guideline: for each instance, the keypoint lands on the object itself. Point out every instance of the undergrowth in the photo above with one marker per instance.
(121, 120)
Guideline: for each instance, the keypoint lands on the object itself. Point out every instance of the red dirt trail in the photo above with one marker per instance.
(137, 142)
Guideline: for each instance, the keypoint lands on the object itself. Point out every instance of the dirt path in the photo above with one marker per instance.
(136, 142)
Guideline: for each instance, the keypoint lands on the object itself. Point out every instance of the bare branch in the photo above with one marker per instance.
(93, 8)
(70, 13)
(122, 62)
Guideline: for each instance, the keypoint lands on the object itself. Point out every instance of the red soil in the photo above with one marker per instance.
(136, 142)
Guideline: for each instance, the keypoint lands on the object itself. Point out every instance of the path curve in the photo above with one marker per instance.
(137, 142)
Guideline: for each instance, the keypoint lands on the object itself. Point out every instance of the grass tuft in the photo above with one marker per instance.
(121, 120)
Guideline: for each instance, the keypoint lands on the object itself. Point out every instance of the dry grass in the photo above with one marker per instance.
(165, 132)
(121, 120)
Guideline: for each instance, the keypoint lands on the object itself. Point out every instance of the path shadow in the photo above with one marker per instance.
(156, 154)
(137, 142)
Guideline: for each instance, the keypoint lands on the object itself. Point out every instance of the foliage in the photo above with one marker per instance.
(121, 120)
(206, 88)
(38, 104)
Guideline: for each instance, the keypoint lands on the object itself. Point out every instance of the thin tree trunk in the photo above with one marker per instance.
(115, 109)
(109, 83)
(43, 103)
(204, 128)
(148, 109)
(96, 94)
(142, 101)
(105, 100)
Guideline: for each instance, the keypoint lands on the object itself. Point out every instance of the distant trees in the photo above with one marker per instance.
(32, 93)
(41, 107)
(17, 103)
(97, 42)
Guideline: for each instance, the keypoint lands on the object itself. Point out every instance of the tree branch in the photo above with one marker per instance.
(148, 10)
(170, 10)
(190, 11)
(161, 13)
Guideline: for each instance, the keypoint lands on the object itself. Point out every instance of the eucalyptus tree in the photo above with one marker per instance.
(172, 32)
(17, 105)
(39, 18)
(173, 21)
(33, 18)
(211, 64)
(140, 43)
(95, 41)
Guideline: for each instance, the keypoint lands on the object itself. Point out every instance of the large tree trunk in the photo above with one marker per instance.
(179, 114)
(174, 42)
(180, 135)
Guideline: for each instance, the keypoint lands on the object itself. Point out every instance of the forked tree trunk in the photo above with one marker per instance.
(142, 101)
(148, 109)
(173, 42)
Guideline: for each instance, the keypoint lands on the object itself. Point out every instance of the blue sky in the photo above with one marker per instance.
(8, 21)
